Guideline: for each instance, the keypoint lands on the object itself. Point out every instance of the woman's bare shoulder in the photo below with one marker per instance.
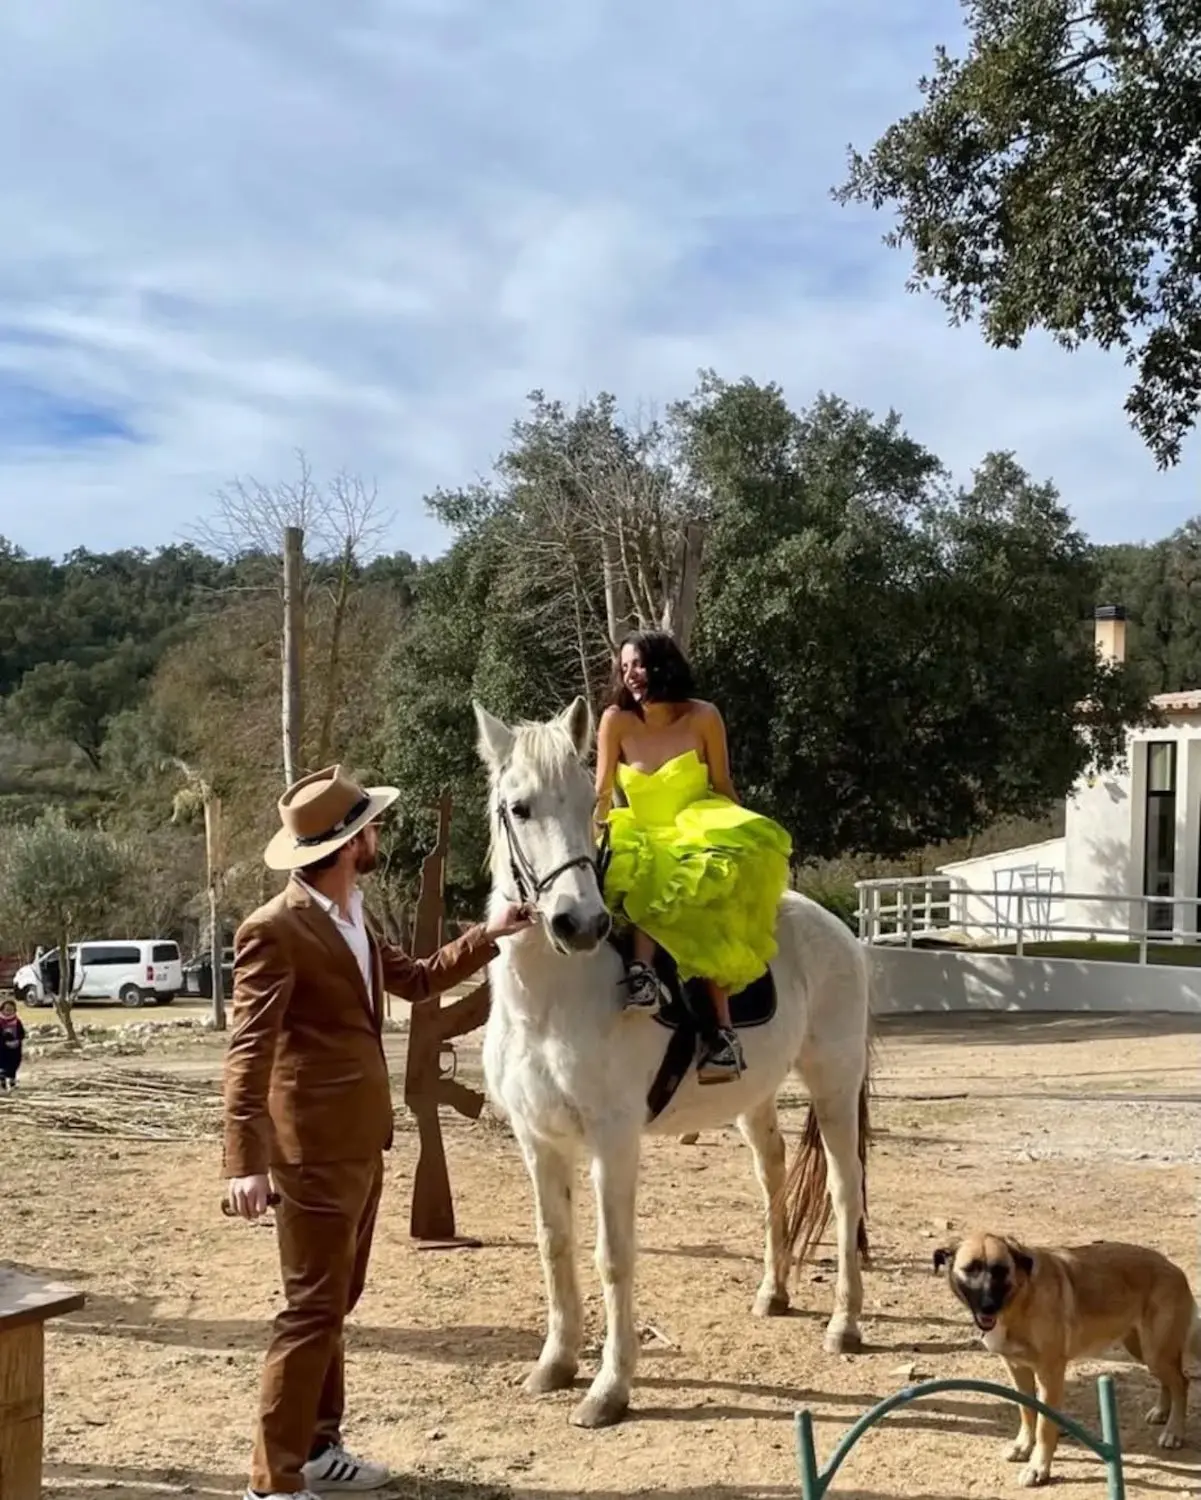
(614, 723)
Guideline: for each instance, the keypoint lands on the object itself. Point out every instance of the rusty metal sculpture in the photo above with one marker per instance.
(429, 1082)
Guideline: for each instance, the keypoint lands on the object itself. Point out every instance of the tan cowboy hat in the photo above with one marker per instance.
(319, 814)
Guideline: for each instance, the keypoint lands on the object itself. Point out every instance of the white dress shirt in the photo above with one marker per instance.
(350, 924)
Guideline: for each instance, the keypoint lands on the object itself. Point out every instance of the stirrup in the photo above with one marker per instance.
(723, 1063)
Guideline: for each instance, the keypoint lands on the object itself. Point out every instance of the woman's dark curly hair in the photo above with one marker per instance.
(668, 675)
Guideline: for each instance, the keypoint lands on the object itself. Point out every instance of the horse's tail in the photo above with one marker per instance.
(805, 1196)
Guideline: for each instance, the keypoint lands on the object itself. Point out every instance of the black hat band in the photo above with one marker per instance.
(339, 828)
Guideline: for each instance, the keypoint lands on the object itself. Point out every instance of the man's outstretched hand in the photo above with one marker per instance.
(511, 919)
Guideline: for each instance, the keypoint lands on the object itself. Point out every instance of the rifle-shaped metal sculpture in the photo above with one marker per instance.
(427, 1085)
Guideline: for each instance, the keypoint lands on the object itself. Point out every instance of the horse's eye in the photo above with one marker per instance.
(520, 810)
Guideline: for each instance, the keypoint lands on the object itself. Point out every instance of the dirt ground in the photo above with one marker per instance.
(1053, 1128)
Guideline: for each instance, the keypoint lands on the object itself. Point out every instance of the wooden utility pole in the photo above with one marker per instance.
(427, 1087)
(293, 650)
(214, 866)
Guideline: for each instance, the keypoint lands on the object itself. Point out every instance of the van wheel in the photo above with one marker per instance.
(131, 996)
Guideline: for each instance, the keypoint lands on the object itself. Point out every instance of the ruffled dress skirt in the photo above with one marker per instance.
(696, 872)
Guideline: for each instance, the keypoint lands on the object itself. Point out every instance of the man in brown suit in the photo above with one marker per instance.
(308, 1108)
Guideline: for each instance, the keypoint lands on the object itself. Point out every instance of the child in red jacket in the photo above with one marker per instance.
(12, 1044)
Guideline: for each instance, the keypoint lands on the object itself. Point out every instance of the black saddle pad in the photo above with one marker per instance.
(753, 1006)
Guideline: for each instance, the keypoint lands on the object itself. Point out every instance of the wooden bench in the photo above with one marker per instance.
(26, 1302)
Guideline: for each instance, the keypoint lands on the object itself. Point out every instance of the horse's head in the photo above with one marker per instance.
(543, 850)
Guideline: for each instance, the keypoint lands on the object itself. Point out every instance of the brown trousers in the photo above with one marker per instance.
(324, 1226)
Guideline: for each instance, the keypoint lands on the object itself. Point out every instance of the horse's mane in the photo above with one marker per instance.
(545, 748)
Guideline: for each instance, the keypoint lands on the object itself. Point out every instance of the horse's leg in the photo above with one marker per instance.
(615, 1178)
(761, 1130)
(551, 1171)
(838, 1119)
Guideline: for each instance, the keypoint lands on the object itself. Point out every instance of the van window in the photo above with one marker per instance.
(110, 954)
(165, 953)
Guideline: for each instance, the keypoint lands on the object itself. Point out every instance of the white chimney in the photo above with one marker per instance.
(1109, 631)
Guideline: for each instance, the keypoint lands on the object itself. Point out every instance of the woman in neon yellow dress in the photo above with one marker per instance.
(691, 869)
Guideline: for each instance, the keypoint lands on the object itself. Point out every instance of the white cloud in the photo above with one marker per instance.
(243, 226)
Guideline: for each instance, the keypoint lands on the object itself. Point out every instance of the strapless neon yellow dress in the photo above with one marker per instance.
(697, 872)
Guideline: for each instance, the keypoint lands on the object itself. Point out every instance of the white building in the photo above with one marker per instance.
(1132, 832)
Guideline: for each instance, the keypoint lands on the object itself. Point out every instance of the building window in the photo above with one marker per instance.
(1159, 861)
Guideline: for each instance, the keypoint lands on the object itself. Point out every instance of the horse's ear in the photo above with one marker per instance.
(494, 741)
(577, 720)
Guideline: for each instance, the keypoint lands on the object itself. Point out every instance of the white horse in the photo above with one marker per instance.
(570, 1067)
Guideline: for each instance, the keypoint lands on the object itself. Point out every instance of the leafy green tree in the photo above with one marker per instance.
(69, 702)
(1160, 585)
(899, 664)
(1050, 180)
(58, 882)
(469, 635)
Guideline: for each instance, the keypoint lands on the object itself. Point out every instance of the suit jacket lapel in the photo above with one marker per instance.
(321, 924)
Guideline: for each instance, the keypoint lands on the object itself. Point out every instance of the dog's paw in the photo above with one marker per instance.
(1158, 1415)
(1019, 1451)
(1034, 1474)
(1170, 1439)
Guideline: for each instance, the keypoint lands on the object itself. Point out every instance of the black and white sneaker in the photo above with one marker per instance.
(644, 989)
(339, 1472)
(723, 1063)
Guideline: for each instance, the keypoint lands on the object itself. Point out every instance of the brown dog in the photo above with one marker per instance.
(1040, 1309)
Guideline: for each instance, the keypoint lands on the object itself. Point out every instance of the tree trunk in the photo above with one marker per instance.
(617, 595)
(680, 615)
(333, 666)
(213, 864)
(64, 1001)
(293, 651)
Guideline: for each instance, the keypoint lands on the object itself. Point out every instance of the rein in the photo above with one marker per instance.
(529, 886)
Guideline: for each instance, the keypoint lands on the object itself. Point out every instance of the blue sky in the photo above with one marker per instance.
(238, 227)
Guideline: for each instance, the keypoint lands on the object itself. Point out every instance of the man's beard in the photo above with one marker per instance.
(365, 861)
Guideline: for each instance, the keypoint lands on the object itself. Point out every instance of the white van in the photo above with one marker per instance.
(129, 972)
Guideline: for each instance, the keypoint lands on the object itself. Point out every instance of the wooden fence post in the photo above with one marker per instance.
(427, 1087)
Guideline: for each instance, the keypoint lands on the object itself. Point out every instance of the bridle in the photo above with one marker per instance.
(529, 886)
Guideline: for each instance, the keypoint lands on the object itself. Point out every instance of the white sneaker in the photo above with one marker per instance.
(337, 1471)
(279, 1495)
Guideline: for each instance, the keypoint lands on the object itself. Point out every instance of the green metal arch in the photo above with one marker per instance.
(815, 1482)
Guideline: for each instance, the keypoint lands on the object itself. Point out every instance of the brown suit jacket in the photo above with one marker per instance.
(305, 1074)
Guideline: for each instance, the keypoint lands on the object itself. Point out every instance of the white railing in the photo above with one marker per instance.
(893, 911)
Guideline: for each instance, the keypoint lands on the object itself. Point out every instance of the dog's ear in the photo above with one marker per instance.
(1022, 1258)
(943, 1257)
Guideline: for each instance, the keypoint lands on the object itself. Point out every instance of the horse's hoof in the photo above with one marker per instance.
(843, 1341)
(559, 1375)
(605, 1410)
(770, 1305)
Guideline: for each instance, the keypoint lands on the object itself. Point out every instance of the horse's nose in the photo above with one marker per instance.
(564, 926)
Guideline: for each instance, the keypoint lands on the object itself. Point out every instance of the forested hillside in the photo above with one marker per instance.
(901, 660)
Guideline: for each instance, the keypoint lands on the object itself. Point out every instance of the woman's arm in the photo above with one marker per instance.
(608, 753)
(717, 751)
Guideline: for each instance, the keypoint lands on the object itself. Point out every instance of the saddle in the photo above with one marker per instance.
(688, 1014)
